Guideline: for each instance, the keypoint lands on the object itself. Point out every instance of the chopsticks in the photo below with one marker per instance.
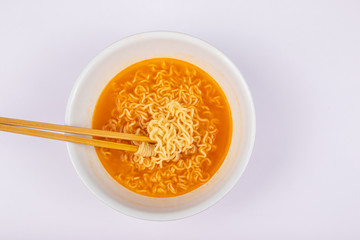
(29, 128)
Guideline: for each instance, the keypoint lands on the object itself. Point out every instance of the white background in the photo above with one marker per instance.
(301, 60)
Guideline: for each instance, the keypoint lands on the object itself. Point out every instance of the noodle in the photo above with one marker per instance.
(176, 107)
(172, 129)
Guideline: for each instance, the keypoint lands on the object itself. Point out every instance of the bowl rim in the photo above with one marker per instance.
(250, 140)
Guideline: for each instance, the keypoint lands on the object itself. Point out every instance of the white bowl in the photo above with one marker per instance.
(120, 55)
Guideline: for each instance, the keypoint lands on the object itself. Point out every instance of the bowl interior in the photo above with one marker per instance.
(120, 55)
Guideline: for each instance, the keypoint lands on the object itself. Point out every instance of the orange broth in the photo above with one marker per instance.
(116, 163)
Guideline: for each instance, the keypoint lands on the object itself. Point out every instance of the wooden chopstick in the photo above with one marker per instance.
(76, 130)
(68, 138)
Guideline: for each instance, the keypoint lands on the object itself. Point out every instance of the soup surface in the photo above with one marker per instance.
(179, 106)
